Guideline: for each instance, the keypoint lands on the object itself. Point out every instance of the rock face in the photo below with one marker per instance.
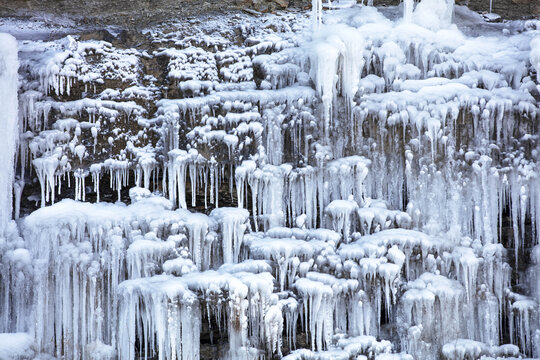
(134, 11)
(186, 7)
(507, 8)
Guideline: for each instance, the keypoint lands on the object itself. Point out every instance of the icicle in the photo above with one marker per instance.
(418, 308)
(408, 6)
(342, 214)
(524, 316)
(324, 59)
(232, 223)
(534, 56)
(147, 164)
(95, 170)
(199, 225)
(18, 187)
(177, 177)
(318, 310)
(167, 311)
(80, 188)
(143, 252)
(316, 6)
(45, 170)
(193, 177)
(9, 66)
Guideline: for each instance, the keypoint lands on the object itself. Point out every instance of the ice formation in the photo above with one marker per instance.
(9, 124)
(350, 183)
(535, 56)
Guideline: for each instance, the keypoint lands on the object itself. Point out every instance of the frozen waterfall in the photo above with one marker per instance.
(9, 125)
(349, 182)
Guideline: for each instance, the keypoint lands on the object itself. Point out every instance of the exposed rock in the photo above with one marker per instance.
(261, 5)
(509, 9)
(282, 3)
(139, 13)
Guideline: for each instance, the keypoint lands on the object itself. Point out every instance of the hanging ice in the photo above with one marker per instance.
(9, 125)
(535, 56)
(367, 189)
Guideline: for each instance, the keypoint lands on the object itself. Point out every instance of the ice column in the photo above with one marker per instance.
(9, 66)
(316, 5)
(408, 6)
(535, 56)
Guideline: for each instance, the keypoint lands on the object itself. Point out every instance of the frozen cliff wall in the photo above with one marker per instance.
(293, 192)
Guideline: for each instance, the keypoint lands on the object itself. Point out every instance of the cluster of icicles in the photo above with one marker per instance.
(387, 230)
